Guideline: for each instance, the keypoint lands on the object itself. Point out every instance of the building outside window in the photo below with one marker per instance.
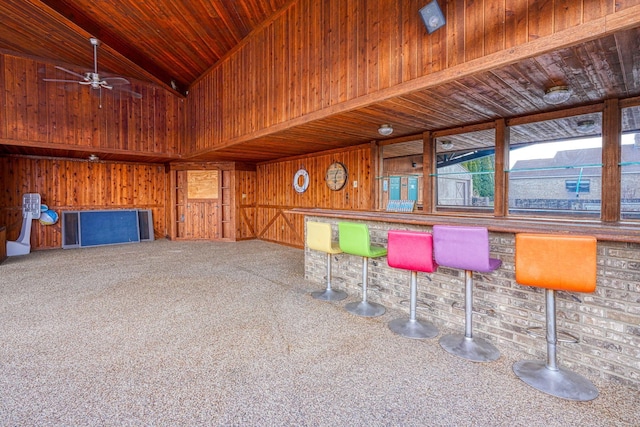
(556, 167)
(630, 164)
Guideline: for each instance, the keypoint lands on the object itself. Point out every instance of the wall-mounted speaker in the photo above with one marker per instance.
(432, 16)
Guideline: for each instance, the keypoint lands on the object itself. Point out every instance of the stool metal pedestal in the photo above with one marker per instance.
(467, 346)
(547, 376)
(329, 294)
(365, 308)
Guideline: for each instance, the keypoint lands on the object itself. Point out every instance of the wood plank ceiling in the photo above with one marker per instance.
(172, 43)
(159, 41)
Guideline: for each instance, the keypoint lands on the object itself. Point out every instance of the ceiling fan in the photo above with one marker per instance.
(94, 80)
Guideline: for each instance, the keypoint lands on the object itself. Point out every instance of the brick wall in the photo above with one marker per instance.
(607, 321)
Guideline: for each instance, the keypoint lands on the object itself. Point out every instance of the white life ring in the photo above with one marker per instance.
(305, 181)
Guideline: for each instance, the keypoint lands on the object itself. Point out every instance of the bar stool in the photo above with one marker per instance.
(466, 248)
(319, 239)
(355, 240)
(555, 262)
(413, 251)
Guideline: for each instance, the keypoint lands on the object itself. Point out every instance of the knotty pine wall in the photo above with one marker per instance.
(275, 193)
(78, 185)
(315, 55)
(46, 114)
(54, 117)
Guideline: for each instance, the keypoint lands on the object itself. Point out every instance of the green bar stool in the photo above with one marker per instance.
(319, 239)
(354, 239)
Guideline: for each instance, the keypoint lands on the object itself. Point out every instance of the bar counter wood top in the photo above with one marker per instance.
(614, 232)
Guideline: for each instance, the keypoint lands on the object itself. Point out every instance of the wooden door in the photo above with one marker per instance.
(198, 204)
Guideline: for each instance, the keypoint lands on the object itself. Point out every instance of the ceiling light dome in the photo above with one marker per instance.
(557, 95)
(586, 126)
(385, 130)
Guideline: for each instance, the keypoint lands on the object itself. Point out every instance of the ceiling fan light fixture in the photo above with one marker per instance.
(586, 126)
(446, 144)
(385, 130)
(557, 95)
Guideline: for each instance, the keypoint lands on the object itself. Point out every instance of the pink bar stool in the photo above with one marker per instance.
(413, 251)
(555, 263)
(466, 248)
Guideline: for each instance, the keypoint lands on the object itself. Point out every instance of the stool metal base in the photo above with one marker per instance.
(365, 309)
(329, 295)
(413, 328)
(561, 383)
(474, 349)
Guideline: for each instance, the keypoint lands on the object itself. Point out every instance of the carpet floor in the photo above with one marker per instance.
(226, 334)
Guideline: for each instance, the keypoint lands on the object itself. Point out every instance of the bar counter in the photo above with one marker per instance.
(607, 322)
(613, 232)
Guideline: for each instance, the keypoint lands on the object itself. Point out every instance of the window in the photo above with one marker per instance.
(402, 175)
(466, 170)
(577, 186)
(556, 167)
(630, 164)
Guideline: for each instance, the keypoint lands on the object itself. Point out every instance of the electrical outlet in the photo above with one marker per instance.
(355, 184)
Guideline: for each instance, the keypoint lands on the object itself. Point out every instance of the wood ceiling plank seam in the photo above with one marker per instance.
(430, 106)
(503, 97)
(603, 55)
(629, 56)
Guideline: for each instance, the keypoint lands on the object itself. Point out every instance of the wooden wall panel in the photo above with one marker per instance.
(316, 55)
(36, 112)
(245, 204)
(276, 195)
(78, 185)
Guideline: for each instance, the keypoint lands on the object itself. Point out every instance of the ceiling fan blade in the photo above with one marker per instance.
(129, 91)
(61, 81)
(82, 76)
(114, 81)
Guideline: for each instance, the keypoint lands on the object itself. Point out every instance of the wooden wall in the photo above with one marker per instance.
(78, 185)
(316, 55)
(41, 114)
(276, 195)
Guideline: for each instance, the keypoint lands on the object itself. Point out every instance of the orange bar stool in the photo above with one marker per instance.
(319, 239)
(555, 263)
(413, 251)
(355, 240)
(466, 248)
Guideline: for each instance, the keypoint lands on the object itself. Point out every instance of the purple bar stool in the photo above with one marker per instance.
(466, 248)
(413, 251)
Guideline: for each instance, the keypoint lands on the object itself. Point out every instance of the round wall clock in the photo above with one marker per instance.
(301, 181)
(336, 176)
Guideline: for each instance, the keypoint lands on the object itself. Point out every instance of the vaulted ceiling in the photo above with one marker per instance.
(159, 41)
(171, 43)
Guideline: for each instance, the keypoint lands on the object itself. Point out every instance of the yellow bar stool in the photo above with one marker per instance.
(355, 240)
(555, 263)
(319, 239)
